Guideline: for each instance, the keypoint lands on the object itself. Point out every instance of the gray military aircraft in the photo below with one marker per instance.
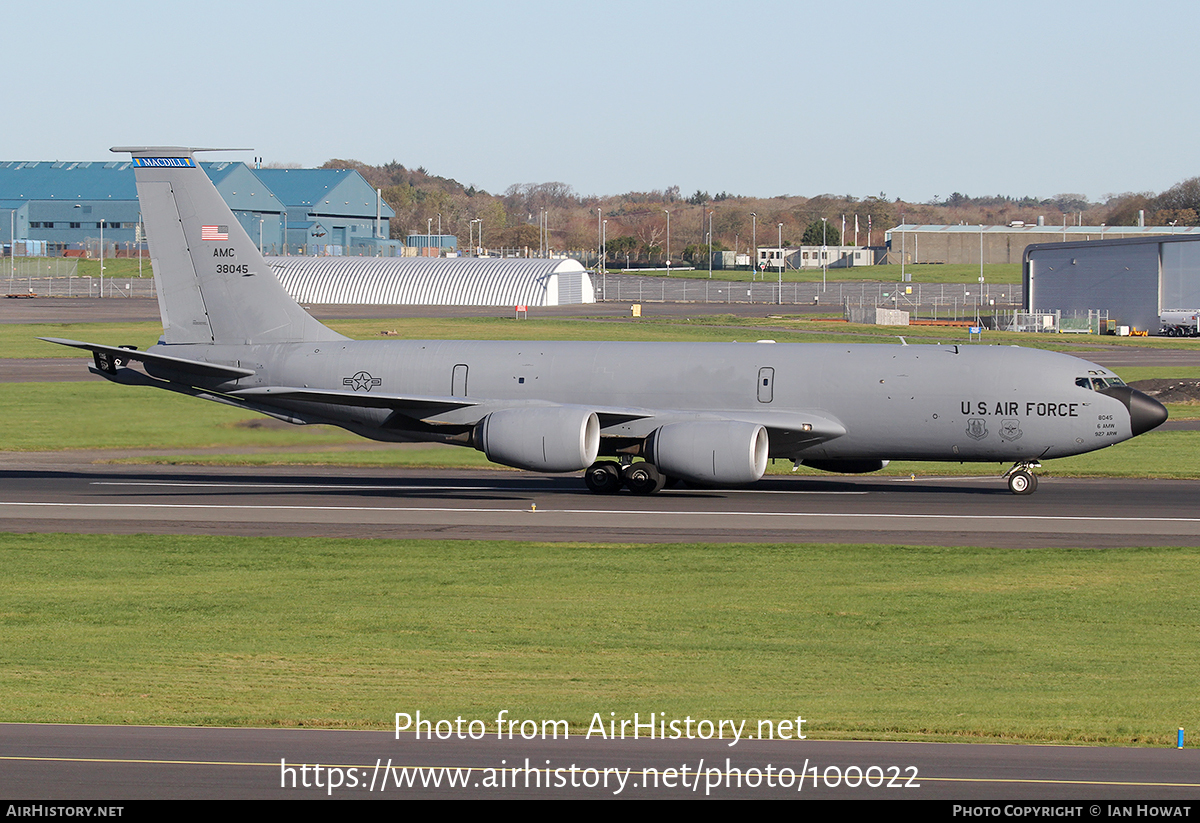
(706, 413)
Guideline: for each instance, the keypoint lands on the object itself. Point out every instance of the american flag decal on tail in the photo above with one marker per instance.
(214, 232)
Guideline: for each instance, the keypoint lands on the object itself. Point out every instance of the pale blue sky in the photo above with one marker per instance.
(757, 97)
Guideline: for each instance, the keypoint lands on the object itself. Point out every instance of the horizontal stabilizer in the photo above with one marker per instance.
(109, 358)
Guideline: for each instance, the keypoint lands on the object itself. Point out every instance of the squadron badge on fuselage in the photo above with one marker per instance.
(977, 428)
(1010, 430)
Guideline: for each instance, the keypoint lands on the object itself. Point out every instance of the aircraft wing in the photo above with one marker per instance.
(418, 406)
(804, 424)
(422, 405)
(788, 430)
(109, 358)
(793, 425)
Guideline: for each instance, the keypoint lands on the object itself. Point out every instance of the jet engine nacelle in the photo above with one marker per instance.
(717, 452)
(540, 438)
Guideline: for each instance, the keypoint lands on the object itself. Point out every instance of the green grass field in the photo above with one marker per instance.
(20, 340)
(863, 641)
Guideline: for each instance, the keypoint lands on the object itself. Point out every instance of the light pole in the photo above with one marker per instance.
(102, 257)
(754, 234)
(667, 212)
(603, 255)
(980, 252)
(604, 246)
(710, 214)
(779, 265)
(824, 225)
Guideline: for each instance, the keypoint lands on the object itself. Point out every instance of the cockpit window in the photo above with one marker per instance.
(1098, 383)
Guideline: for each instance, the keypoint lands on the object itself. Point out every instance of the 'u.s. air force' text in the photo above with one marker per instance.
(1013, 408)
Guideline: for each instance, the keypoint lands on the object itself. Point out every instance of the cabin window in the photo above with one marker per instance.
(766, 377)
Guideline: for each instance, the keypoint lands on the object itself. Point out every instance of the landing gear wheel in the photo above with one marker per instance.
(643, 478)
(603, 477)
(1022, 482)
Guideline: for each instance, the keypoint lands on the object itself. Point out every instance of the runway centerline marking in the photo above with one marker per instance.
(330, 487)
(628, 512)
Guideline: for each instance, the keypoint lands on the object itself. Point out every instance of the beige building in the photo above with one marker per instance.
(814, 257)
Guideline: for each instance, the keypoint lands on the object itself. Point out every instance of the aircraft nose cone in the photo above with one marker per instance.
(1145, 413)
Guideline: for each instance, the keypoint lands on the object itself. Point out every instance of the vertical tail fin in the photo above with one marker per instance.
(213, 284)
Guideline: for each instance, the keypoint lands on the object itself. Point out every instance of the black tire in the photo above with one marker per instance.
(603, 477)
(643, 478)
(1022, 482)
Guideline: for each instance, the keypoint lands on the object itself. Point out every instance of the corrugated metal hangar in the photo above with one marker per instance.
(330, 211)
(456, 281)
(1135, 279)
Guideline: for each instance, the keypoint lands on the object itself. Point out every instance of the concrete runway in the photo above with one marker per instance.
(970, 511)
(130, 762)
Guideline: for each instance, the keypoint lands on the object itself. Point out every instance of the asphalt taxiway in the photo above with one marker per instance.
(130, 762)
(411, 503)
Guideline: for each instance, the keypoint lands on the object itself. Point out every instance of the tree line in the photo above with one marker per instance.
(635, 223)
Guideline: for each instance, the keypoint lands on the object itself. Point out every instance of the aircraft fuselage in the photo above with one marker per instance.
(917, 402)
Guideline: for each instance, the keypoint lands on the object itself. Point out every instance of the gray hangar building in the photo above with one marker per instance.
(1134, 279)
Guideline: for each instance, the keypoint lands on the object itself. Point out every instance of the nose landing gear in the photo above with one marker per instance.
(1021, 479)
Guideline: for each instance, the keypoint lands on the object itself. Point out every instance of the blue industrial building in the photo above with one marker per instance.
(321, 211)
(329, 208)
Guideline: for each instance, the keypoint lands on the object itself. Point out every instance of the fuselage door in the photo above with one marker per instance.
(766, 384)
(458, 383)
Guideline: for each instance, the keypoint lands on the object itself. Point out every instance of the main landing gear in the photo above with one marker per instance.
(1021, 479)
(607, 477)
